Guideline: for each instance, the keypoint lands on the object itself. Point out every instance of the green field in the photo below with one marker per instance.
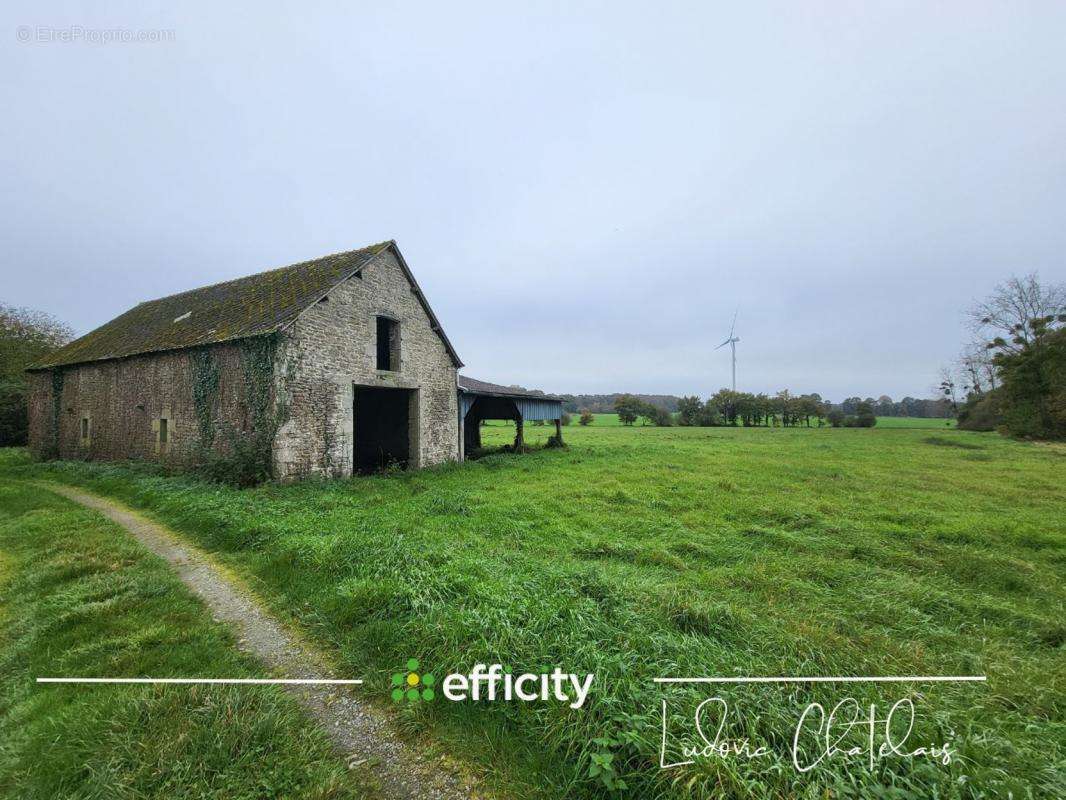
(648, 552)
(611, 420)
(914, 422)
(79, 598)
(599, 420)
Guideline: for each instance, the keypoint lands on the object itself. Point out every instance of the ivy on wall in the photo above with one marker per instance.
(247, 457)
(257, 362)
(58, 377)
(205, 375)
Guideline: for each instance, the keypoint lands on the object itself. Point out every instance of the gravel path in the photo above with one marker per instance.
(362, 734)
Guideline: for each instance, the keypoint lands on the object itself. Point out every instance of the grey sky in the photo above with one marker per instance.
(585, 195)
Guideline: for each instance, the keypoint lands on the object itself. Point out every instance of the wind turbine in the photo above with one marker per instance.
(732, 342)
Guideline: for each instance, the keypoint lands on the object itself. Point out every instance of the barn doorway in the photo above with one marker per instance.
(385, 433)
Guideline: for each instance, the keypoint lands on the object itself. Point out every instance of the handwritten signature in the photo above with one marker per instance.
(846, 732)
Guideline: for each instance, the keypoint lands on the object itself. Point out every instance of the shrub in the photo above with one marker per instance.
(864, 416)
(709, 416)
(659, 416)
(245, 462)
(586, 417)
(1032, 396)
(836, 418)
(12, 414)
(566, 419)
(980, 414)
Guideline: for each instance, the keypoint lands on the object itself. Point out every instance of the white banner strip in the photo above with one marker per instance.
(252, 681)
(832, 679)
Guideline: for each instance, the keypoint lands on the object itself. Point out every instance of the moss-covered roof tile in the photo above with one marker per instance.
(236, 309)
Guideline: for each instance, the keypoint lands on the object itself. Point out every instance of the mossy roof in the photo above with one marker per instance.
(238, 309)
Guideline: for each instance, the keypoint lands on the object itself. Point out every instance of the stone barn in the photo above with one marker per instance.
(328, 367)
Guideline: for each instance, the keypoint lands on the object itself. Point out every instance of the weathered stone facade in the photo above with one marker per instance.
(179, 405)
(123, 402)
(330, 349)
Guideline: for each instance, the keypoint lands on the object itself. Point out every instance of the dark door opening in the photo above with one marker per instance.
(382, 428)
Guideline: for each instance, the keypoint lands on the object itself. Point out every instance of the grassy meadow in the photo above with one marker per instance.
(79, 598)
(611, 420)
(915, 422)
(648, 552)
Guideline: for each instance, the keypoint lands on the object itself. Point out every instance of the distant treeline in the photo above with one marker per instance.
(604, 403)
(883, 406)
(726, 407)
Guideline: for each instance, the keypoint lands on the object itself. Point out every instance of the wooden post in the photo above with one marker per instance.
(519, 440)
(559, 430)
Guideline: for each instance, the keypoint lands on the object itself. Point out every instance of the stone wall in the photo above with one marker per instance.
(332, 346)
(120, 403)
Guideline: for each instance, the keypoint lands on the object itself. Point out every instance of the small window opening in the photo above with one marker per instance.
(163, 432)
(84, 427)
(388, 344)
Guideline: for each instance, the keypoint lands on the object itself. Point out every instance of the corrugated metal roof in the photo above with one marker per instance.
(475, 386)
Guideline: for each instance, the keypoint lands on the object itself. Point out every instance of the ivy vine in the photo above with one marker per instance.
(205, 378)
(58, 376)
(247, 458)
(257, 362)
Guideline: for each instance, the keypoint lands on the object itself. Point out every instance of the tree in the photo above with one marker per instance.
(688, 410)
(652, 414)
(1012, 372)
(864, 415)
(784, 404)
(660, 417)
(586, 417)
(627, 408)
(850, 404)
(976, 367)
(710, 416)
(836, 418)
(1032, 396)
(25, 336)
(1007, 315)
(821, 409)
(947, 388)
(728, 405)
(806, 407)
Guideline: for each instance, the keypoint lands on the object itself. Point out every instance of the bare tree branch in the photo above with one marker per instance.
(1008, 313)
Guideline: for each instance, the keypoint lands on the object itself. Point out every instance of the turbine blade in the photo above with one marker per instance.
(723, 344)
(733, 327)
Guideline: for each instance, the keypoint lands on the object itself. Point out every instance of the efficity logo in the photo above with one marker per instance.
(492, 682)
(412, 686)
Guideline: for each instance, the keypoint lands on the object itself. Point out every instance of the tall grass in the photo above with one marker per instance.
(79, 598)
(647, 552)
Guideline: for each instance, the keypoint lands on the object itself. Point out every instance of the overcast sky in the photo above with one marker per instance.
(586, 196)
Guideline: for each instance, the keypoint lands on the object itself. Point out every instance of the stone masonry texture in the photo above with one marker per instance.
(325, 352)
